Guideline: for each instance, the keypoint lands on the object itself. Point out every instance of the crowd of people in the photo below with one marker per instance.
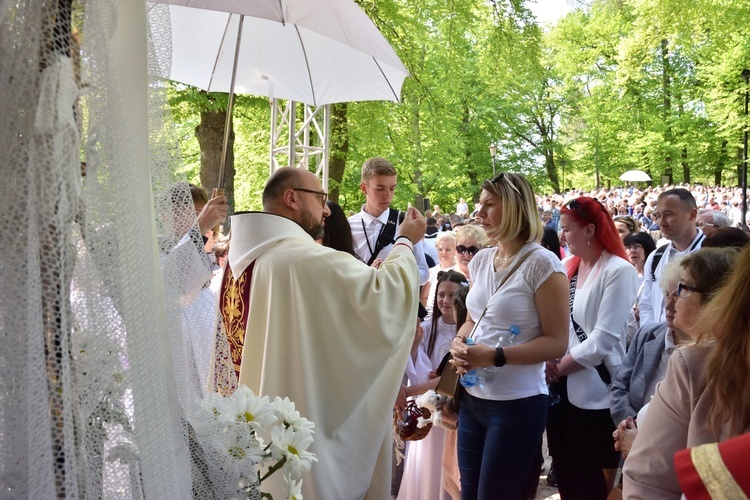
(626, 308)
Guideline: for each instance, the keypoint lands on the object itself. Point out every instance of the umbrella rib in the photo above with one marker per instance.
(218, 52)
(281, 11)
(386, 79)
(307, 63)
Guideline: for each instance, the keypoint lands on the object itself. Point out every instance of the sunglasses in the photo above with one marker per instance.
(682, 287)
(472, 250)
(576, 206)
(627, 220)
(499, 177)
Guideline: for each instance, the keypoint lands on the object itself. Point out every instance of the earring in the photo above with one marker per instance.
(588, 243)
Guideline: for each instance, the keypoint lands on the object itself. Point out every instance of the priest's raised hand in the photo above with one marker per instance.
(413, 226)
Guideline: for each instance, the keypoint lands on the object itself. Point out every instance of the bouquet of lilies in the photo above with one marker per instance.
(260, 437)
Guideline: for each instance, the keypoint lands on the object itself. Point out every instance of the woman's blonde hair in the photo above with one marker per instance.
(671, 273)
(445, 235)
(520, 215)
(726, 319)
(472, 232)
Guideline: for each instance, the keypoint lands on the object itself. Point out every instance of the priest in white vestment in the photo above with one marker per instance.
(327, 331)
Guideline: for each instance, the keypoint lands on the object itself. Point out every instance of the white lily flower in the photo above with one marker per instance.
(245, 407)
(292, 444)
(294, 488)
(286, 412)
(239, 427)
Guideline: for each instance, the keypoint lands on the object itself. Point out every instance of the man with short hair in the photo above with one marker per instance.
(378, 183)
(710, 220)
(547, 219)
(676, 211)
(431, 232)
(327, 331)
(555, 211)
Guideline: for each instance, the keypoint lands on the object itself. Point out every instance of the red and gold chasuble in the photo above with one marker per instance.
(234, 302)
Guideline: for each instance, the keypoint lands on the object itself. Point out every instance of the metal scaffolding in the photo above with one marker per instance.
(300, 143)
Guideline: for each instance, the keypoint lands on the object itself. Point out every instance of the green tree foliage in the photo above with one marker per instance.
(622, 84)
(654, 85)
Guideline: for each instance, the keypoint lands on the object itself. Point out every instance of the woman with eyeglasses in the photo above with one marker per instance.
(645, 366)
(705, 395)
(638, 246)
(470, 239)
(602, 290)
(500, 423)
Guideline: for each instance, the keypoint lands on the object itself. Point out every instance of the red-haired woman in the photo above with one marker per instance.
(603, 287)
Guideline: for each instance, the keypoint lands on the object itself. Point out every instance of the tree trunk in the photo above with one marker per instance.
(666, 73)
(723, 157)
(551, 167)
(210, 134)
(339, 149)
(416, 131)
(473, 177)
(739, 166)
(685, 166)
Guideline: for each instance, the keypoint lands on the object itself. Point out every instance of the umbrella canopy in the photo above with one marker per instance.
(312, 51)
(635, 176)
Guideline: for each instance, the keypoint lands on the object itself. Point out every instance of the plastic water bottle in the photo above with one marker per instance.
(507, 337)
(469, 379)
(554, 395)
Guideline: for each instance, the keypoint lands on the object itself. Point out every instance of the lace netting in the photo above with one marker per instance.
(106, 319)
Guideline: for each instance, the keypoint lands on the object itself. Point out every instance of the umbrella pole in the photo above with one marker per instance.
(230, 106)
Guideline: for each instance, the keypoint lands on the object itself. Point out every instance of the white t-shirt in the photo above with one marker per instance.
(365, 232)
(513, 305)
(445, 334)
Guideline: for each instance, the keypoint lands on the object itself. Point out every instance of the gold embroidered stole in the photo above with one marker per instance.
(234, 306)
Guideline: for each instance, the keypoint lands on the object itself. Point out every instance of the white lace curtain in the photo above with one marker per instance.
(97, 388)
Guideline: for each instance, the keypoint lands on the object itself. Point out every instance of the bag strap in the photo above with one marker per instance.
(520, 261)
(385, 237)
(658, 254)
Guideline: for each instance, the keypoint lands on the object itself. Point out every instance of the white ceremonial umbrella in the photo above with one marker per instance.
(312, 51)
(635, 176)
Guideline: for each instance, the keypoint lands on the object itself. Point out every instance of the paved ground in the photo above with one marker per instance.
(545, 491)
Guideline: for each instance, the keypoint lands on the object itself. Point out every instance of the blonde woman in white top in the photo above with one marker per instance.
(500, 424)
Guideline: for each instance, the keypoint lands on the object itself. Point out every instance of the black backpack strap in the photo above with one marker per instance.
(658, 254)
(386, 235)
